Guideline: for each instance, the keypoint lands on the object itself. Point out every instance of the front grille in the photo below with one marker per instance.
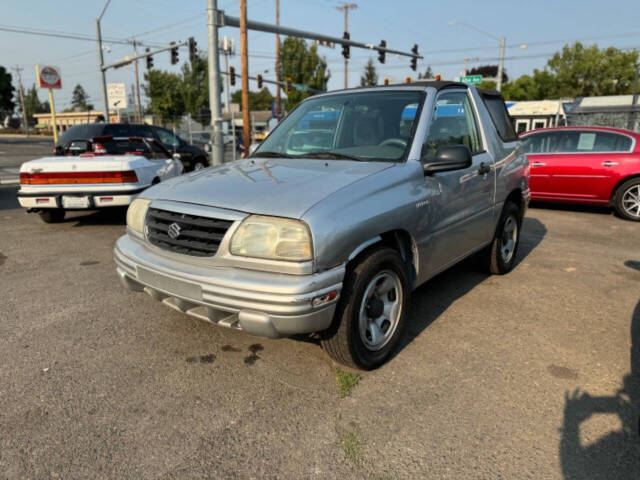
(198, 236)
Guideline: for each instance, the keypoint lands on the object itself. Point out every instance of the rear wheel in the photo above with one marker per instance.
(53, 215)
(371, 315)
(500, 257)
(627, 200)
(199, 164)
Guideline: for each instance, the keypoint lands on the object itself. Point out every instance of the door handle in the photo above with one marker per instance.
(538, 164)
(484, 168)
(609, 164)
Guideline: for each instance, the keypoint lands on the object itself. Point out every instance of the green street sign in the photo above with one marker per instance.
(471, 79)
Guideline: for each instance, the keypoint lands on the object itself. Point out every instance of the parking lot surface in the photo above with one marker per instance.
(535, 374)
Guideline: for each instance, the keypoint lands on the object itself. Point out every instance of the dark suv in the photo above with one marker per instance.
(192, 157)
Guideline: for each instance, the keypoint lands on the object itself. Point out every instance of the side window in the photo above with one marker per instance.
(611, 142)
(541, 143)
(500, 116)
(453, 123)
(167, 138)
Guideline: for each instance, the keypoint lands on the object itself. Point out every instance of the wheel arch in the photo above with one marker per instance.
(615, 189)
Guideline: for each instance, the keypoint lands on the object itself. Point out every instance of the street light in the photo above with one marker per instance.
(501, 41)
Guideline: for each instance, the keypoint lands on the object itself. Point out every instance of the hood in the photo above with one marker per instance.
(280, 187)
(100, 163)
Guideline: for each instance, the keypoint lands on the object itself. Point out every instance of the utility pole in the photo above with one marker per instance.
(346, 7)
(217, 150)
(105, 98)
(500, 65)
(278, 99)
(246, 125)
(25, 121)
(135, 66)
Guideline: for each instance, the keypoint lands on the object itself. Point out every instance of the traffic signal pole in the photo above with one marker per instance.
(217, 150)
(244, 60)
(103, 79)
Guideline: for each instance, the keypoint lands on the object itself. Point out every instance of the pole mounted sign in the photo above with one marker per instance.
(117, 94)
(471, 79)
(49, 77)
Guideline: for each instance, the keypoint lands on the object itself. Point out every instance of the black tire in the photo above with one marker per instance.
(625, 193)
(342, 341)
(199, 164)
(53, 215)
(492, 258)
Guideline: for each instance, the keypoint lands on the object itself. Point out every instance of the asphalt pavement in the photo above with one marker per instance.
(15, 150)
(535, 374)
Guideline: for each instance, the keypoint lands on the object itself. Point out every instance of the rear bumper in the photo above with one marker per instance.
(97, 199)
(260, 303)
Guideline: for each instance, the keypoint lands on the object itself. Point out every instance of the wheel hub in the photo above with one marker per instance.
(380, 310)
(375, 307)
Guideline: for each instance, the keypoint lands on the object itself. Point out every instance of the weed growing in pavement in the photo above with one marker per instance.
(346, 382)
(350, 446)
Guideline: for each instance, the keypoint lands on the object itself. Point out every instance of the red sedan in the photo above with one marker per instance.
(592, 165)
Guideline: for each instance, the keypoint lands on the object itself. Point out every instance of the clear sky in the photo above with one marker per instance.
(543, 25)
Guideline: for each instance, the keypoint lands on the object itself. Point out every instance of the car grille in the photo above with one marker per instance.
(198, 236)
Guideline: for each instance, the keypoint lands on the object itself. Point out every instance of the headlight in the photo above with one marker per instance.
(273, 238)
(136, 214)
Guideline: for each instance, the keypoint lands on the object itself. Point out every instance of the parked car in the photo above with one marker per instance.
(335, 238)
(110, 172)
(192, 157)
(589, 165)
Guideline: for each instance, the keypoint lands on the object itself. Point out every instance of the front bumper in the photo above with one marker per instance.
(97, 199)
(260, 303)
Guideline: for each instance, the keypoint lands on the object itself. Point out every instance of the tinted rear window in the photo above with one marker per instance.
(500, 116)
(81, 132)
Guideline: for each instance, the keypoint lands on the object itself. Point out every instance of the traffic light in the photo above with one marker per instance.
(193, 50)
(345, 47)
(232, 75)
(414, 60)
(408, 80)
(149, 60)
(259, 78)
(287, 85)
(382, 53)
(437, 77)
(174, 54)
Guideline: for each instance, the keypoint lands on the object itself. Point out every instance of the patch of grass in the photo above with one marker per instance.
(350, 445)
(346, 382)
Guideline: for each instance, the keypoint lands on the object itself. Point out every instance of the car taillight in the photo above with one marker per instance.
(129, 176)
(60, 178)
(25, 178)
(99, 148)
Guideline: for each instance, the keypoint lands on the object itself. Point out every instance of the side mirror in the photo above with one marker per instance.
(176, 156)
(447, 158)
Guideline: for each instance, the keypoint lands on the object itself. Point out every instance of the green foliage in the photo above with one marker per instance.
(195, 86)
(488, 71)
(32, 103)
(427, 75)
(346, 382)
(304, 66)
(257, 100)
(369, 77)
(6, 91)
(578, 71)
(351, 445)
(164, 89)
(80, 100)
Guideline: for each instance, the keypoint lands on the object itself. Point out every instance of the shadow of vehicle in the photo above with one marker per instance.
(432, 299)
(8, 198)
(617, 454)
(572, 207)
(105, 216)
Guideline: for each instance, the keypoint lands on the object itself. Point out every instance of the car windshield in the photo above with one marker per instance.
(375, 125)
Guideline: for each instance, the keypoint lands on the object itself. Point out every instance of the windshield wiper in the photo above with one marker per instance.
(272, 155)
(334, 155)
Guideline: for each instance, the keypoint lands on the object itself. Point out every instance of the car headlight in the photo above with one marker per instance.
(272, 238)
(136, 213)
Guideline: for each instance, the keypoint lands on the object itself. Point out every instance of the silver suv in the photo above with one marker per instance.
(354, 200)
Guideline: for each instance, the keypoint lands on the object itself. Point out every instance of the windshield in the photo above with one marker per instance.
(357, 126)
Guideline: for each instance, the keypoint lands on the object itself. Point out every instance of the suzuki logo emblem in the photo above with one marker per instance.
(174, 230)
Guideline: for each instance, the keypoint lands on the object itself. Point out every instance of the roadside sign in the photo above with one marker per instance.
(49, 77)
(117, 94)
(471, 79)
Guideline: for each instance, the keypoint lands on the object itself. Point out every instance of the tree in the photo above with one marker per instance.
(80, 99)
(369, 77)
(6, 91)
(257, 100)
(488, 71)
(427, 75)
(32, 103)
(195, 87)
(164, 90)
(303, 66)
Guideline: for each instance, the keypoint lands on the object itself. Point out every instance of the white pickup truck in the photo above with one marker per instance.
(111, 173)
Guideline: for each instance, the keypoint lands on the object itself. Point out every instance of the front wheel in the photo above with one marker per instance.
(627, 200)
(371, 315)
(53, 215)
(199, 165)
(500, 256)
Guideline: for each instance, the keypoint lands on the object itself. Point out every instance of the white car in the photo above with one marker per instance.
(111, 174)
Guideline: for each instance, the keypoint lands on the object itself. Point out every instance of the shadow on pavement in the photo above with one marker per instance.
(572, 207)
(106, 216)
(432, 299)
(8, 199)
(617, 454)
